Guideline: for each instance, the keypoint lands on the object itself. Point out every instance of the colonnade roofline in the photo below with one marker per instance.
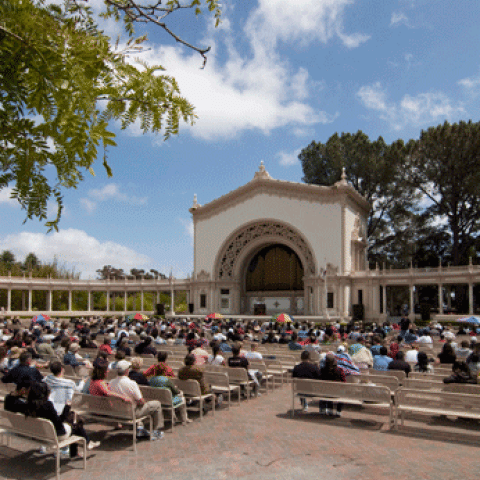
(459, 274)
(77, 284)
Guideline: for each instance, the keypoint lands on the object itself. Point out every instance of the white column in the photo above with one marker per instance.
(440, 298)
(69, 300)
(141, 301)
(384, 299)
(158, 297)
(9, 300)
(108, 301)
(89, 300)
(125, 300)
(412, 306)
(470, 298)
(29, 299)
(49, 300)
(172, 301)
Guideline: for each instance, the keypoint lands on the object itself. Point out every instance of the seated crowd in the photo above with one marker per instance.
(51, 346)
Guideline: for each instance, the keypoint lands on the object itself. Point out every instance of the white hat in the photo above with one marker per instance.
(340, 349)
(123, 366)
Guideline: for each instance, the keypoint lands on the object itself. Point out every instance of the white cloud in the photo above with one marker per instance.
(471, 84)
(258, 90)
(418, 110)
(301, 21)
(88, 205)
(288, 159)
(5, 199)
(399, 18)
(76, 249)
(109, 192)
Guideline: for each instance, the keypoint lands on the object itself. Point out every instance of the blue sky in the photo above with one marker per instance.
(280, 74)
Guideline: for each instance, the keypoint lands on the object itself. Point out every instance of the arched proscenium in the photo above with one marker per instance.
(241, 240)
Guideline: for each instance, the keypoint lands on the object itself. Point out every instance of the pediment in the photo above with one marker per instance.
(261, 185)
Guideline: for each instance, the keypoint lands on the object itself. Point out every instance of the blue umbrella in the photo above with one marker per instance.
(472, 320)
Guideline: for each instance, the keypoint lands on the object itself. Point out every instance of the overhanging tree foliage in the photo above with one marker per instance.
(55, 68)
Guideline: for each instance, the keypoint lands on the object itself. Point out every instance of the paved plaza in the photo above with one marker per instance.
(258, 440)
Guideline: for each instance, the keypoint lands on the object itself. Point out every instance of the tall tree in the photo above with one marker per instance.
(31, 261)
(444, 166)
(56, 66)
(373, 168)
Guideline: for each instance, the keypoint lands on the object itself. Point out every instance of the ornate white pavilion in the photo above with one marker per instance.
(273, 246)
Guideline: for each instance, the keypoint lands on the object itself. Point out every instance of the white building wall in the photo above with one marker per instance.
(350, 216)
(319, 223)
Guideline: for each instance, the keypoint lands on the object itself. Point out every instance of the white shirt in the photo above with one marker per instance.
(254, 355)
(425, 339)
(127, 387)
(218, 360)
(411, 356)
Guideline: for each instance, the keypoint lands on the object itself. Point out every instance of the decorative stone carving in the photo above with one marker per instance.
(331, 270)
(203, 276)
(260, 229)
(358, 232)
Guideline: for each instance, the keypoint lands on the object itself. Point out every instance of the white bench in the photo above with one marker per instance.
(343, 392)
(435, 403)
(109, 409)
(39, 431)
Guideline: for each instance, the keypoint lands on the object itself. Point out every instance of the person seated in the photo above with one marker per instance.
(200, 354)
(463, 352)
(425, 338)
(135, 371)
(145, 347)
(73, 358)
(62, 389)
(306, 369)
(447, 355)
(16, 401)
(126, 387)
(460, 374)
(253, 353)
(423, 363)
(377, 344)
(394, 347)
(332, 373)
(215, 358)
(473, 360)
(10, 360)
(382, 360)
(122, 345)
(177, 396)
(411, 354)
(192, 371)
(161, 368)
(360, 354)
(38, 405)
(97, 385)
(238, 361)
(294, 345)
(23, 370)
(400, 364)
(410, 336)
(106, 346)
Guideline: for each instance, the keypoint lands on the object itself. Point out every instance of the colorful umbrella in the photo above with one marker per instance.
(472, 320)
(137, 316)
(40, 317)
(283, 318)
(214, 316)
